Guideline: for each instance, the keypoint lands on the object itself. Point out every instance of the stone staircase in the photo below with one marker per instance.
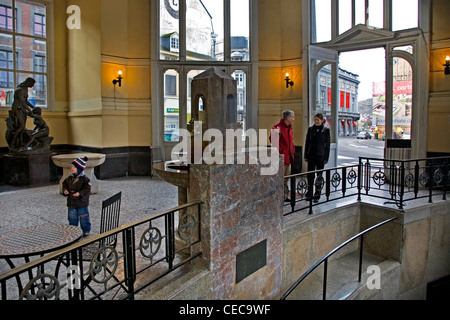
(342, 280)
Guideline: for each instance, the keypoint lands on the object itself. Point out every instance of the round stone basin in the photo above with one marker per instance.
(65, 161)
(167, 172)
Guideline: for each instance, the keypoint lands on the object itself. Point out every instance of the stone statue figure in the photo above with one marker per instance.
(20, 140)
(41, 129)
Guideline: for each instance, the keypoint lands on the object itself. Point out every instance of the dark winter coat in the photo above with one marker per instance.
(80, 184)
(317, 143)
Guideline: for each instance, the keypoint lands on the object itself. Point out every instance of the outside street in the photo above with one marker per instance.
(350, 149)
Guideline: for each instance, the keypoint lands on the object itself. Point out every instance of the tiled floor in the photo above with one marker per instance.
(24, 207)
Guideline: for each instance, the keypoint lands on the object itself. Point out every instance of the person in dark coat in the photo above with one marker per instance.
(317, 151)
(77, 188)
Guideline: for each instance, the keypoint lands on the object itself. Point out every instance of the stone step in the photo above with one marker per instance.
(342, 279)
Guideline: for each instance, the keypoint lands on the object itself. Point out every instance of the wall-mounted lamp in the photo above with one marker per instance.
(447, 65)
(289, 82)
(119, 78)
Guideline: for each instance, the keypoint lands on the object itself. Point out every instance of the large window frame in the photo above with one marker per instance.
(40, 57)
(182, 65)
(360, 37)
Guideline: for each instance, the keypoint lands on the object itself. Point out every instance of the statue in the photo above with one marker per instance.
(41, 129)
(20, 140)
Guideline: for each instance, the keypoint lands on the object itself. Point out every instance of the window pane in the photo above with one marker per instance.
(240, 30)
(171, 106)
(360, 12)
(321, 20)
(6, 77)
(37, 95)
(204, 30)
(169, 30)
(408, 48)
(6, 15)
(6, 59)
(376, 13)
(402, 99)
(405, 14)
(28, 49)
(27, 55)
(345, 15)
(241, 99)
(31, 18)
(190, 76)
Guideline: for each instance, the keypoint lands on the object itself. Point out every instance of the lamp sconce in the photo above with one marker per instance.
(289, 82)
(119, 78)
(447, 65)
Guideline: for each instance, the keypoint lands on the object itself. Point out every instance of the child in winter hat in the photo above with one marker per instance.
(80, 164)
(77, 188)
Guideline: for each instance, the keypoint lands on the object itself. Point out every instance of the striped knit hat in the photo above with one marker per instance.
(80, 164)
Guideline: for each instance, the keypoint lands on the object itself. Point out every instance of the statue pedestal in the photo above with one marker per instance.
(22, 170)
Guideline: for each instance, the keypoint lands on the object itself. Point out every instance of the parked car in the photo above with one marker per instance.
(406, 136)
(363, 135)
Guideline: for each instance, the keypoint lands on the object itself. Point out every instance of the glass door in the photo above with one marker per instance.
(323, 93)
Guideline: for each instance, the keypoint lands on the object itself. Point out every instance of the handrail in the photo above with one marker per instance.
(126, 281)
(396, 181)
(91, 240)
(325, 259)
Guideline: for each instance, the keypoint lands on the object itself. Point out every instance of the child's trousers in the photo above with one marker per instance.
(80, 215)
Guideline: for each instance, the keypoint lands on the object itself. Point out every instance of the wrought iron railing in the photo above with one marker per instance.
(146, 251)
(325, 259)
(396, 181)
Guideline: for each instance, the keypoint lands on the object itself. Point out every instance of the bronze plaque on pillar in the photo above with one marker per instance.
(251, 260)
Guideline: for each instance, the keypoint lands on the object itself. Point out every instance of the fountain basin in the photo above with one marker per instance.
(172, 172)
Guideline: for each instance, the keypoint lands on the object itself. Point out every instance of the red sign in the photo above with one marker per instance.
(400, 87)
(329, 96)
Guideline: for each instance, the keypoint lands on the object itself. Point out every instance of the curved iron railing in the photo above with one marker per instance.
(325, 260)
(94, 269)
(396, 181)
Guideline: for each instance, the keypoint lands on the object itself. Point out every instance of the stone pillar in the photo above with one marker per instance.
(242, 225)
